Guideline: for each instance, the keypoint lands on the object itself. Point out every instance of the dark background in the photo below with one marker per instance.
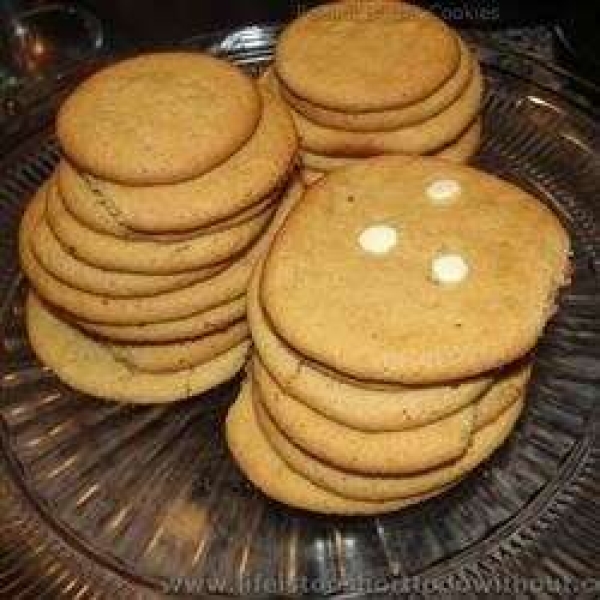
(147, 24)
(563, 32)
(162, 21)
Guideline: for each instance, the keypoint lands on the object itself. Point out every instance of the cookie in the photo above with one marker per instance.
(422, 138)
(175, 305)
(390, 119)
(427, 271)
(310, 176)
(269, 473)
(356, 404)
(257, 170)
(503, 394)
(90, 367)
(58, 262)
(460, 151)
(163, 358)
(158, 118)
(95, 212)
(359, 56)
(406, 451)
(188, 328)
(466, 146)
(320, 163)
(110, 310)
(151, 257)
(381, 489)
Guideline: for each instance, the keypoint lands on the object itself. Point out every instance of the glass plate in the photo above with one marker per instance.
(100, 500)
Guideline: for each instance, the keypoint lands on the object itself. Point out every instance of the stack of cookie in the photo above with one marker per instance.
(392, 320)
(371, 77)
(140, 246)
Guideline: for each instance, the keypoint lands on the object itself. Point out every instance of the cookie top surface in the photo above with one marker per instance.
(158, 118)
(258, 169)
(383, 120)
(360, 56)
(414, 271)
(350, 401)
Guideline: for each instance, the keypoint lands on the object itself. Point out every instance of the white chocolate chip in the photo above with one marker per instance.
(443, 191)
(449, 268)
(378, 239)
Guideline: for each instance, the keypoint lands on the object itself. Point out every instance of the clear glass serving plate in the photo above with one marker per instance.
(100, 500)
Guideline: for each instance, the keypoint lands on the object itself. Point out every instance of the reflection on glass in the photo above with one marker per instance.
(40, 43)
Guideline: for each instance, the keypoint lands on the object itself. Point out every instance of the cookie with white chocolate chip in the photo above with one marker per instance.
(428, 271)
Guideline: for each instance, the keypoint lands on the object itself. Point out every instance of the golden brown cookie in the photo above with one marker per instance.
(260, 168)
(158, 118)
(320, 163)
(356, 404)
(428, 271)
(506, 391)
(110, 310)
(86, 203)
(160, 308)
(90, 367)
(366, 56)
(268, 472)
(310, 176)
(460, 150)
(421, 138)
(177, 356)
(381, 488)
(146, 256)
(188, 328)
(466, 146)
(350, 449)
(386, 120)
(175, 305)
(58, 262)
